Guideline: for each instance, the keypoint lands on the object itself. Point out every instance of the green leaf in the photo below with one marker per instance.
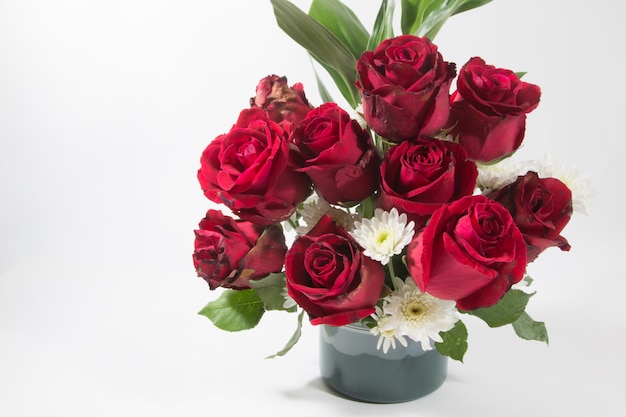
(321, 43)
(235, 310)
(324, 94)
(292, 341)
(426, 17)
(529, 329)
(521, 74)
(509, 309)
(383, 26)
(454, 342)
(341, 22)
(270, 291)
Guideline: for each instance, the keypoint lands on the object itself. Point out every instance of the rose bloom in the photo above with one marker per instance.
(283, 104)
(405, 86)
(229, 253)
(419, 176)
(338, 155)
(329, 276)
(249, 170)
(471, 251)
(488, 110)
(541, 207)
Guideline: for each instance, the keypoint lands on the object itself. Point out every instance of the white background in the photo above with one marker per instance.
(105, 108)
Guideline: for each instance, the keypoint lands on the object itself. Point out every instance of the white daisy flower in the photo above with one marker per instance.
(493, 177)
(387, 331)
(420, 316)
(316, 207)
(384, 235)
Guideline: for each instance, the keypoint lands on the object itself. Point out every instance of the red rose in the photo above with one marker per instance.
(488, 110)
(419, 176)
(283, 104)
(249, 170)
(229, 253)
(471, 251)
(541, 208)
(339, 156)
(405, 86)
(330, 278)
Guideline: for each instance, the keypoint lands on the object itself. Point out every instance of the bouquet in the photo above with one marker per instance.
(405, 212)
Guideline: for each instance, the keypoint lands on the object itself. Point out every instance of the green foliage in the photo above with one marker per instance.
(341, 22)
(270, 291)
(508, 310)
(323, 45)
(292, 341)
(426, 17)
(383, 26)
(454, 342)
(235, 310)
(529, 329)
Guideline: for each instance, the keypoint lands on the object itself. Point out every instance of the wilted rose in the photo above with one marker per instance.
(283, 104)
(229, 253)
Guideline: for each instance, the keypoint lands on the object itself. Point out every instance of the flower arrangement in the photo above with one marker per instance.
(406, 212)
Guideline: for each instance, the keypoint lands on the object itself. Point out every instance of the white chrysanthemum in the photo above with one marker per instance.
(316, 207)
(493, 177)
(387, 331)
(580, 186)
(289, 302)
(384, 235)
(419, 316)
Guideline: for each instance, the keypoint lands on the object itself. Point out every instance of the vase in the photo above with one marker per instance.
(351, 364)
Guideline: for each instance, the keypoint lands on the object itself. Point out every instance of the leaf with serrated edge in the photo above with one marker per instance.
(529, 329)
(454, 342)
(292, 341)
(509, 308)
(235, 310)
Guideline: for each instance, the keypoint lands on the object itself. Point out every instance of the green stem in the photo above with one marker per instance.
(392, 273)
(293, 224)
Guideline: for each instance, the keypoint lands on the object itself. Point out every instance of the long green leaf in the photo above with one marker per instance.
(320, 42)
(383, 25)
(341, 22)
(235, 310)
(426, 17)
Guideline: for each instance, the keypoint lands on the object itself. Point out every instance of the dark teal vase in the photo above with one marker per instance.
(351, 365)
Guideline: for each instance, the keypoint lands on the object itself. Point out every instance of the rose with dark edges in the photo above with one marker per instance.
(250, 171)
(419, 176)
(541, 208)
(405, 87)
(488, 110)
(283, 104)
(471, 251)
(329, 276)
(338, 155)
(229, 253)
